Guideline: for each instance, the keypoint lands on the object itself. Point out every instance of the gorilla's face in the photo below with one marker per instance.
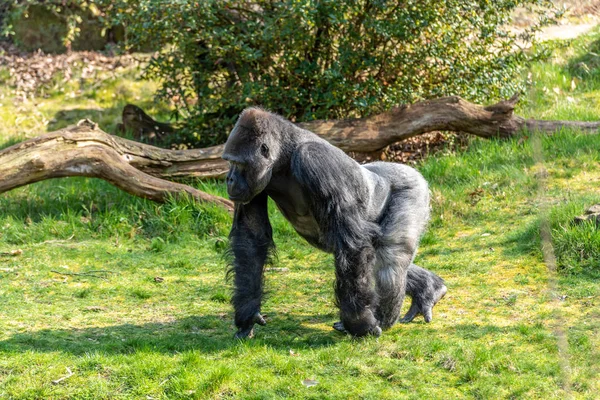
(250, 163)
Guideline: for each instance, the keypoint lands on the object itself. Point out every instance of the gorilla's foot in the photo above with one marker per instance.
(424, 307)
(413, 311)
(339, 326)
(440, 293)
(248, 332)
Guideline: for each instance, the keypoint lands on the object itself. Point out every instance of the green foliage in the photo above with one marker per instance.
(577, 246)
(308, 59)
(311, 59)
(55, 25)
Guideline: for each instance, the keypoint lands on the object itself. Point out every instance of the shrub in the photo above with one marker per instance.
(309, 59)
(318, 59)
(56, 26)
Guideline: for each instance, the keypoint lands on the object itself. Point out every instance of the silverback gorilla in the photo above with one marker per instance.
(370, 217)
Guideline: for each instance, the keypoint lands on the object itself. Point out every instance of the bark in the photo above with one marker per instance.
(372, 134)
(444, 114)
(142, 126)
(144, 170)
(85, 150)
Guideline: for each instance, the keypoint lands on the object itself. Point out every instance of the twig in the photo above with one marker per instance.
(56, 240)
(277, 269)
(91, 273)
(59, 380)
(12, 253)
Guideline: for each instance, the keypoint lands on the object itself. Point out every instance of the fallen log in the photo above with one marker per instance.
(85, 150)
(143, 170)
(372, 134)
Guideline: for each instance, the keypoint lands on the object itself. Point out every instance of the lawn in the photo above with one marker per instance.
(131, 297)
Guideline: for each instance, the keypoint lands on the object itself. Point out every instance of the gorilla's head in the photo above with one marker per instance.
(251, 149)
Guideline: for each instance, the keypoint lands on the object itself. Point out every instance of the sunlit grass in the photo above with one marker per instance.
(125, 334)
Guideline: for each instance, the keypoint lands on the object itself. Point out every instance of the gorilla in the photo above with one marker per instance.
(371, 217)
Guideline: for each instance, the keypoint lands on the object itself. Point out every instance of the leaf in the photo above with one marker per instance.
(310, 382)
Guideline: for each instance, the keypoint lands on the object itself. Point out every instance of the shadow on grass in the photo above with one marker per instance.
(214, 333)
(207, 334)
(54, 197)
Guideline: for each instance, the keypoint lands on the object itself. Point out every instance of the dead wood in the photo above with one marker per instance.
(143, 127)
(85, 150)
(445, 114)
(373, 134)
(142, 170)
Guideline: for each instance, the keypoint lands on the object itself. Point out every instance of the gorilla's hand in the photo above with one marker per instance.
(248, 331)
(339, 326)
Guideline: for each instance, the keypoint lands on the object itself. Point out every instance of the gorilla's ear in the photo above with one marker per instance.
(264, 150)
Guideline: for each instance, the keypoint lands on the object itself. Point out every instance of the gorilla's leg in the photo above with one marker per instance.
(406, 216)
(425, 289)
(390, 277)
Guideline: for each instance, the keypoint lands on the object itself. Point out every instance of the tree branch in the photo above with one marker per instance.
(443, 114)
(142, 170)
(85, 150)
(370, 134)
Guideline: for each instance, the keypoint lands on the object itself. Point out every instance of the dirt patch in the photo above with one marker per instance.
(563, 32)
(580, 17)
(28, 72)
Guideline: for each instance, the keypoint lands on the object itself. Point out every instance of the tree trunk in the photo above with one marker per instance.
(85, 150)
(142, 170)
(372, 134)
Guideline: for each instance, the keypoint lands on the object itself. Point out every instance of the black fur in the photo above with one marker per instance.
(370, 217)
(251, 244)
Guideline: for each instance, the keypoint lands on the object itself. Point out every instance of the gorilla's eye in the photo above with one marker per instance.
(264, 150)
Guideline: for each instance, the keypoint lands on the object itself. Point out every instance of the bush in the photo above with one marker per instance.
(308, 59)
(56, 26)
(318, 59)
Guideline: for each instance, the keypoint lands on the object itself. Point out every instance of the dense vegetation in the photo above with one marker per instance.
(320, 59)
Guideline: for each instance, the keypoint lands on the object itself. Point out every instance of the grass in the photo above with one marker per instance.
(126, 334)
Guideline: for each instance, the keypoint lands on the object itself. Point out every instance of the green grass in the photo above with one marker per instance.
(125, 334)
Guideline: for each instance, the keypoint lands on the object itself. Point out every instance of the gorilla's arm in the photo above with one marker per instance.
(334, 184)
(251, 240)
